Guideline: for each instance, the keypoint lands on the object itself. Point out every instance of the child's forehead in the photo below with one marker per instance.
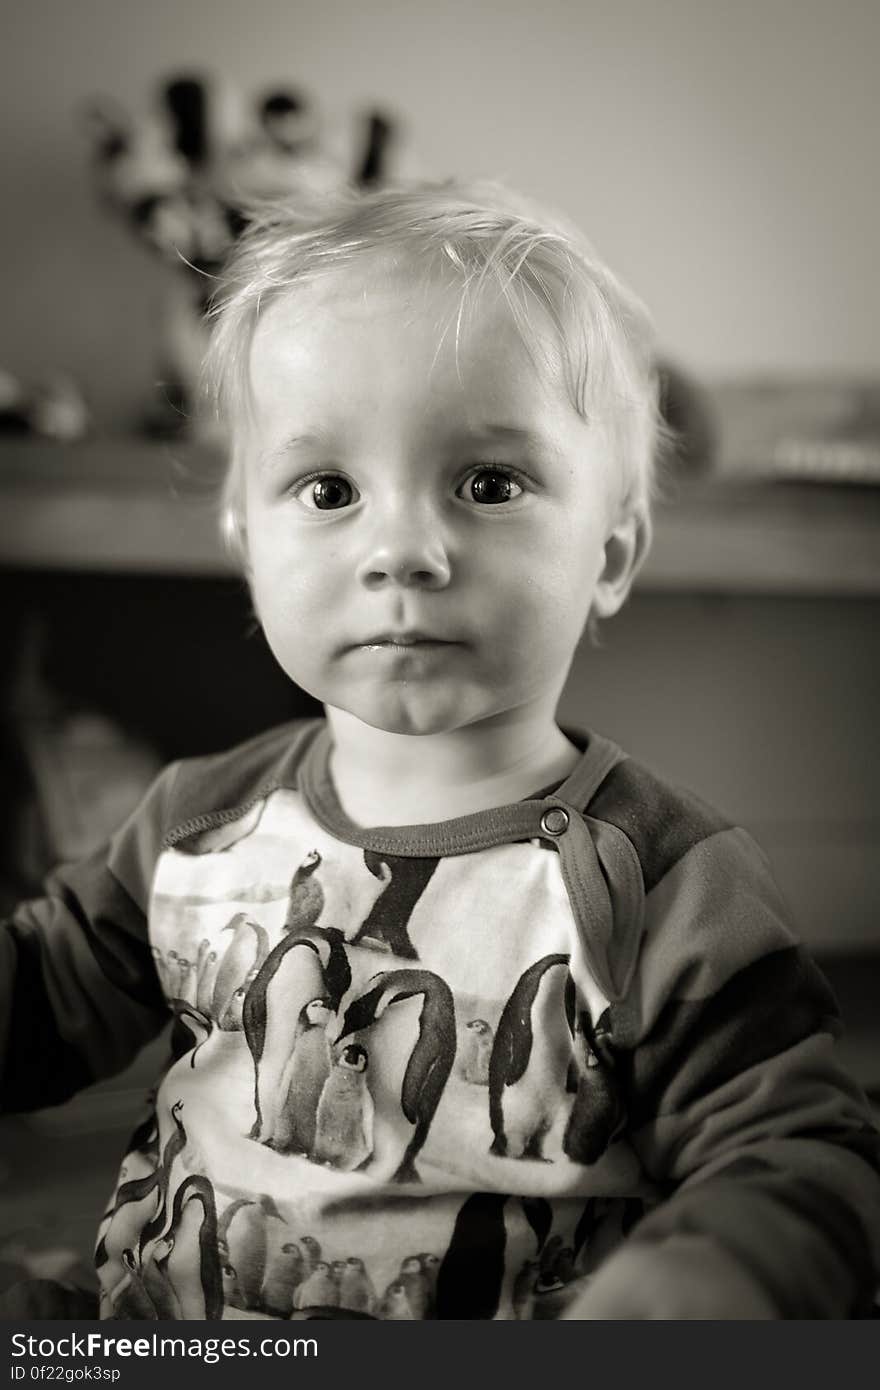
(384, 298)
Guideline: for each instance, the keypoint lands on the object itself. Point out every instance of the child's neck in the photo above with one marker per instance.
(400, 779)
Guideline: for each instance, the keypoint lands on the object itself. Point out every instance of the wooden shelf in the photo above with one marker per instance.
(124, 505)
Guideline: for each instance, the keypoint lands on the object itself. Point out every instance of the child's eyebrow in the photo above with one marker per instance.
(498, 433)
(277, 452)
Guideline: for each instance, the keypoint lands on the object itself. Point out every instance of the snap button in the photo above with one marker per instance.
(555, 821)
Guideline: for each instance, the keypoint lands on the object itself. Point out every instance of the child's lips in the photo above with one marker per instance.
(403, 642)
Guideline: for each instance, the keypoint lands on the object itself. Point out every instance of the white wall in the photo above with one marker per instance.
(722, 156)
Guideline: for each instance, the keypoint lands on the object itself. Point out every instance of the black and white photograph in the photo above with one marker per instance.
(439, 521)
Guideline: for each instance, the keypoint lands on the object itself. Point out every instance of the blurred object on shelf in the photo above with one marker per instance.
(183, 176)
(53, 408)
(807, 430)
(688, 412)
(80, 775)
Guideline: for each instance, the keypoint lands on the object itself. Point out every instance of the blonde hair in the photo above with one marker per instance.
(480, 235)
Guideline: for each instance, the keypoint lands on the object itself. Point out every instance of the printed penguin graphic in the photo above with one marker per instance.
(246, 1245)
(305, 901)
(191, 1029)
(344, 1118)
(530, 1059)
(302, 1081)
(388, 918)
(193, 1230)
(138, 1210)
(242, 958)
(356, 1290)
(284, 1271)
(477, 1052)
(318, 1289)
(597, 1112)
(431, 1056)
(301, 968)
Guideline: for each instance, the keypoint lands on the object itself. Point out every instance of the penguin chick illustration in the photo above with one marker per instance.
(344, 1119)
(356, 1289)
(414, 1279)
(284, 1270)
(305, 900)
(395, 1305)
(318, 1290)
(477, 1051)
(302, 1081)
(311, 1249)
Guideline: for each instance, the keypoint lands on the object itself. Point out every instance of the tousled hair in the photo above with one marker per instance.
(475, 235)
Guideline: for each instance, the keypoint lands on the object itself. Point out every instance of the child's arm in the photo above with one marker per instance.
(79, 993)
(725, 1045)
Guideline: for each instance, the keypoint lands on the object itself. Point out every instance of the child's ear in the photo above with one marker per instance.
(625, 549)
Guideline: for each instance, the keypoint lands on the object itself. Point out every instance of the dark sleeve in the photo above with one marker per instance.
(79, 993)
(737, 1105)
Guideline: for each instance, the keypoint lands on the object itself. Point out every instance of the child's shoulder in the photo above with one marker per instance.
(662, 821)
(226, 781)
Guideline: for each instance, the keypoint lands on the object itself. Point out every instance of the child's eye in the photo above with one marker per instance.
(328, 493)
(490, 486)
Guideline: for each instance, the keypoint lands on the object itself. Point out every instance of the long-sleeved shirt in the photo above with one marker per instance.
(442, 1070)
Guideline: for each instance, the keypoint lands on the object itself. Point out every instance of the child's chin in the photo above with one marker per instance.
(413, 714)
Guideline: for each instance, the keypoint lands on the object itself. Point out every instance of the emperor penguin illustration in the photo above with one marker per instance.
(193, 1231)
(356, 1290)
(305, 900)
(244, 955)
(284, 1271)
(477, 1052)
(301, 968)
(247, 1244)
(597, 1111)
(138, 1211)
(318, 1289)
(344, 1118)
(402, 882)
(302, 1081)
(430, 1058)
(530, 1059)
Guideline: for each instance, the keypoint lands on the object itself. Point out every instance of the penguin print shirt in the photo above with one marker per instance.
(441, 1071)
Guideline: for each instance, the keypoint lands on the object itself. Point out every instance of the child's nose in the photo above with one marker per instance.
(408, 554)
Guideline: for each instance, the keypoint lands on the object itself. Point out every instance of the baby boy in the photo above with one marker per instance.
(474, 1017)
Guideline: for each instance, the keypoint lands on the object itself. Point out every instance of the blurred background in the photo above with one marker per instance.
(723, 159)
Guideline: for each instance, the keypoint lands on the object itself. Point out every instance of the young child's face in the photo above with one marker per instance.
(425, 523)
